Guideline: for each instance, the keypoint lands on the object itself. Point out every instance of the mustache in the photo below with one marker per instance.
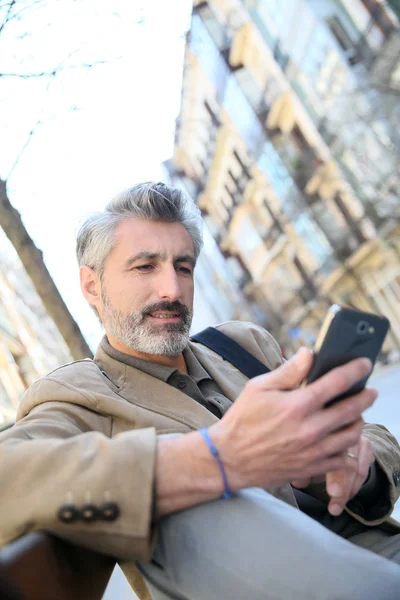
(176, 307)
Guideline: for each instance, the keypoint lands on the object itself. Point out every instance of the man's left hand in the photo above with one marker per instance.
(344, 484)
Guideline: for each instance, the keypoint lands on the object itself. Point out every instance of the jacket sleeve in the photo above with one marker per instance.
(62, 454)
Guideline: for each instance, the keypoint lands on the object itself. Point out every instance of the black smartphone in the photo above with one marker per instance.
(347, 334)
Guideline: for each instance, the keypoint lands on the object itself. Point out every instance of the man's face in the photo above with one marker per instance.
(147, 287)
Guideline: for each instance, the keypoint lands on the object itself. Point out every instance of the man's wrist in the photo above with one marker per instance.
(216, 456)
(186, 473)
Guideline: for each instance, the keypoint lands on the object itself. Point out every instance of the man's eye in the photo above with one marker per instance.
(144, 268)
(184, 270)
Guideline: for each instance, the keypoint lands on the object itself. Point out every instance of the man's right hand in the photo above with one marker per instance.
(276, 432)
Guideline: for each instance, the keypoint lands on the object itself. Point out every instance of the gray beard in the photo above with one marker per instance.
(135, 330)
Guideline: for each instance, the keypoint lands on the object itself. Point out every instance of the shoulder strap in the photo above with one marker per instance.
(233, 352)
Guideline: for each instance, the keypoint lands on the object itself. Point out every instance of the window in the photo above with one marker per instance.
(242, 114)
(313, 238)
(274, 169)
(208, 56)
(248, 239)
(340, 33)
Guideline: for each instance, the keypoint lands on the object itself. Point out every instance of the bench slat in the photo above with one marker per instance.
(40, 566)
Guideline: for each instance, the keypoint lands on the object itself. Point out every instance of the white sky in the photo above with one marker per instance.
(123, 128)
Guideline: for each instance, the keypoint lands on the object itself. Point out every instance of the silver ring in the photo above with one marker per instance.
(350, 455)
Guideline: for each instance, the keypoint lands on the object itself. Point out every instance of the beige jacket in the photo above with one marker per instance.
(86, 434)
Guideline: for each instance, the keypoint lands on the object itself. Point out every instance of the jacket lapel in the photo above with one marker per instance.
(153, 394)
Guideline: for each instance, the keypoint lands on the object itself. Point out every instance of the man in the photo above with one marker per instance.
(108, 453)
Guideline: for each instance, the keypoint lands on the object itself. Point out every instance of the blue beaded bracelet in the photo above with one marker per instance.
(204, 433)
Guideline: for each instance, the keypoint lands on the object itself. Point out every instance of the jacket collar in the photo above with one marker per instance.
(151, 393)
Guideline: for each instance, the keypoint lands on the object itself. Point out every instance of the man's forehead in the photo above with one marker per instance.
(134, 236)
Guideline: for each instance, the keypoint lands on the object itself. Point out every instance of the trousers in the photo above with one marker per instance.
(258, 547)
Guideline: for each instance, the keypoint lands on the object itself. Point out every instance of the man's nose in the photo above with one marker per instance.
(169, 286)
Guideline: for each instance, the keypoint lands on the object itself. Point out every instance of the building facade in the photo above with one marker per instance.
(287, 180)
(30, 343)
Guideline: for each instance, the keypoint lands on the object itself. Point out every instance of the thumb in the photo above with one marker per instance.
(291, 373)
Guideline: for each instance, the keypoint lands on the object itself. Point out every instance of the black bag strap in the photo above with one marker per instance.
(233, 352)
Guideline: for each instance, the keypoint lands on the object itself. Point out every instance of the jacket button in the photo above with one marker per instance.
(68, 513)
(110, 511)
(182, 385)
(89, 513)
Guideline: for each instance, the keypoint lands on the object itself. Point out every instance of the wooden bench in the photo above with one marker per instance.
(40, 566)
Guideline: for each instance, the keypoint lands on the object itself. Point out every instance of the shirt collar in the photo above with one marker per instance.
(163, 372)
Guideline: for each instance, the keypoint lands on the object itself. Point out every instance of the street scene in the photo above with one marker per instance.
(277, 122)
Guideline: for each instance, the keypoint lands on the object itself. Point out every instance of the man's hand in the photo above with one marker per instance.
(274, 434)
(344, 484)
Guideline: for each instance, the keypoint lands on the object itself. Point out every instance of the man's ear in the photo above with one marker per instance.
(90, 286)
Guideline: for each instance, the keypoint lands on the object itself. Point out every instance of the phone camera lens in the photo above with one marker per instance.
(362, 327)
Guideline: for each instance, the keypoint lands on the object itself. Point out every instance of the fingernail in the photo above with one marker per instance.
(334, 490)
(300, 356)
(367, 363)
(335, 509)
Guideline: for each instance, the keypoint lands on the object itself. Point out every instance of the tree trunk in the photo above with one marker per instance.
(32, 259)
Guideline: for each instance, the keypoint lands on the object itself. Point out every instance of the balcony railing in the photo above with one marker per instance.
(379, 15)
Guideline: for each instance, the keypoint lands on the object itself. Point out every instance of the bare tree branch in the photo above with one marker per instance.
(54, 72)
(24, 147)
(7, 16)
(10, 16)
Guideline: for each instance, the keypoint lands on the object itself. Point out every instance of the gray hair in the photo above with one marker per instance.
(149, 201)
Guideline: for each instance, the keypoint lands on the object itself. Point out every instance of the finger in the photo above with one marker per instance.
(301, 483)
(343, 413)
(290, 374)
(338, 486)
(365, 460)
(336, 382)
(338, 441)
(318, 469)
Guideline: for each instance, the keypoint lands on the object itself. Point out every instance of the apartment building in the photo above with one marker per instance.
(282, 188)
